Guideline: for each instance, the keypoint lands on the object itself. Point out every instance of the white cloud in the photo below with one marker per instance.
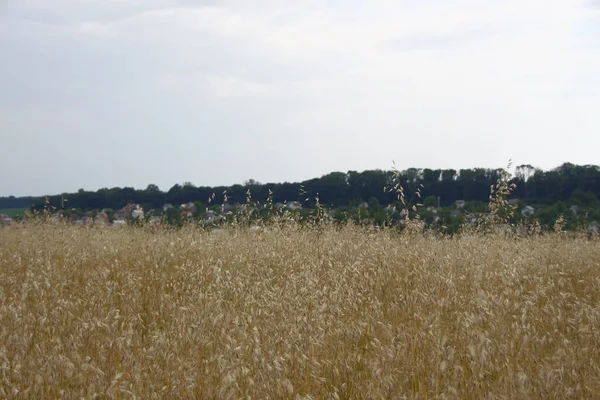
(232, 86)
(97, 29)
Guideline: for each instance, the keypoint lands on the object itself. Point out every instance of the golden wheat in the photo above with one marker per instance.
(296, 313)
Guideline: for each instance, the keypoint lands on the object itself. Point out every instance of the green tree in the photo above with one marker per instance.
(173, 216)
(430, 201)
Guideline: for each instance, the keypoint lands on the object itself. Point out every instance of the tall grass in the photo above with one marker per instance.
(292, 312)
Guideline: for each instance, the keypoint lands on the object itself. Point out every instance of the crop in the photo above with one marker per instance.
(293, 311)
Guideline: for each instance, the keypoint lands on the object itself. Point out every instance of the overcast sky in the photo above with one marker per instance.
(105, 93)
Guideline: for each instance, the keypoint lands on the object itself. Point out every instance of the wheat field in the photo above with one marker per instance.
(296, 312)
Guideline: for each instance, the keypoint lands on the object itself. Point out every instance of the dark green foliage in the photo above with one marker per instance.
(360, 195)
(430, 201)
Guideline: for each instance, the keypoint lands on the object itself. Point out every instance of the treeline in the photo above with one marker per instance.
(567, 183)
(17, 202)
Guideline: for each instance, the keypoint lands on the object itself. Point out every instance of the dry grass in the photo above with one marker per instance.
(344, 313)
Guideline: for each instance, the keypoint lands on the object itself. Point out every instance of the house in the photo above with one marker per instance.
(154, 220)
(513, 202)
(126, 212)
(167, 207)
(101, 218)
(527, 211)
(391, 209)
(119, 223)
(459, 204)
(363, 206)
(471, 219)
(5, 219)
(130, 208)
(187, 214)
(137, 213)
(455, 213)
(212, 216)
(294, 205)
(188, 206)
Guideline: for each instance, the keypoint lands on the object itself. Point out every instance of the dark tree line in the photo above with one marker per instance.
(17, 202)
(568, 182)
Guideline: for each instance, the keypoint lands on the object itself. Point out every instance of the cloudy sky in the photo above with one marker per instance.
(104, 93)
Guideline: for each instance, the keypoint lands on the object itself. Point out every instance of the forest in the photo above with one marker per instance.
(551, 192)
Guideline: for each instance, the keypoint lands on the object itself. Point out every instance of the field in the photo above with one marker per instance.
(13, 212)
(296, 313)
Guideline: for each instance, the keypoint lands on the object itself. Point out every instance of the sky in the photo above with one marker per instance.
(106, 93)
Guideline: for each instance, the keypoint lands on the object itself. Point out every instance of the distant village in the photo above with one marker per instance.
(459, 213)
(135, 212)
